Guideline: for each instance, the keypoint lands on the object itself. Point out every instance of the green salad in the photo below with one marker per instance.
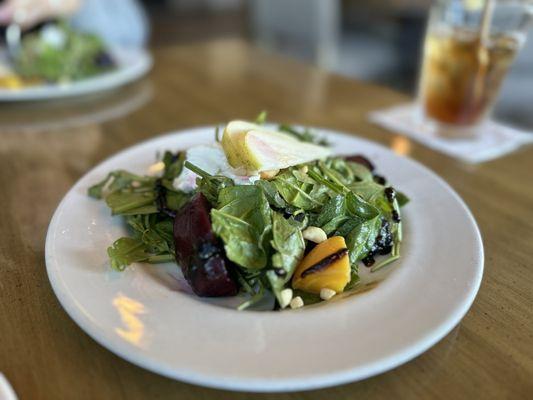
(58, 53)
(261, 212)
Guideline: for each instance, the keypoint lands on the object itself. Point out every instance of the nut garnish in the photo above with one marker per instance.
(269, 174)
(297, 302)
(326, 293)
(314, 234)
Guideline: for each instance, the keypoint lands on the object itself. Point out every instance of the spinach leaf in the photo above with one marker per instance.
(369, 190)
(358, 207)
(271, 193)
(361, 238)
(289, 244)
(299, 219)
(343, 213)
(332, 215)
(243, 221)
(307, 195)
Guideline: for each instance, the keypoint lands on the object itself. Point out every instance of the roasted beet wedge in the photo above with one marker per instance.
(360, 159)
(199, 253)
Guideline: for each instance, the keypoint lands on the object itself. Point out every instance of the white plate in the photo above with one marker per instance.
(131, 65)
(144, 316)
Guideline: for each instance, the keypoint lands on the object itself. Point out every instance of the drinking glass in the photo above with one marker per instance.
(468, 49)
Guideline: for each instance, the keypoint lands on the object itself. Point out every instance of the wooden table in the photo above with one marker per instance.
(45, 148)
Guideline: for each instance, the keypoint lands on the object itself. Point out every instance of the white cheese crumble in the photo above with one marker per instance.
(285, 297)
(212, 159)
(53, 36)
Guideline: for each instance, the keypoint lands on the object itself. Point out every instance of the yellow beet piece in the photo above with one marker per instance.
(326, 266)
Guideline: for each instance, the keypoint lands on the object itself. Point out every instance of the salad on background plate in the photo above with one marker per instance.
(263, 212)
(55, 54)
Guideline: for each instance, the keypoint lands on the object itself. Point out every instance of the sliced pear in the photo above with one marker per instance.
(254, 148)
(234, 132)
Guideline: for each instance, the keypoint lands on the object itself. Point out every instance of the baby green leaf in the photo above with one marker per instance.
(130, 203)
(289, 244)
(125, 251)
(360, 240)
(243, 221)
(304, 195)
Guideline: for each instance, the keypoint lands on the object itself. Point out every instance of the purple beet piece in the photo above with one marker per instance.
(360, 159)
(199, 253)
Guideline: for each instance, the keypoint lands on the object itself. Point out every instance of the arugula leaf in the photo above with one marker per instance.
(176, 200)
(243, 221)
(156, 233)
(304, 135)
(402, 198)
(289, 244)
(173, 165)
(130, 203)
(354, 279)
(301, 194)
(348, 171)
(261, 118)
(360, 172)
(308, 298)
(118, 180)
(125, 251)
(256, 297)
(209, 185)
(128, 250)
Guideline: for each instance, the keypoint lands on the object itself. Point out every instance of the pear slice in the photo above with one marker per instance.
(234, 133)
(255, 148)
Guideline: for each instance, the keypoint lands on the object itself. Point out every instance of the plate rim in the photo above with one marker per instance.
(265, 385)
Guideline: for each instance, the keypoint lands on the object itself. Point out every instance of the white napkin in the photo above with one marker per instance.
(6, 391)
(492, 141)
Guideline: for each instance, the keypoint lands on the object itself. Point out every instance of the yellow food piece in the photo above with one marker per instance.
(334, 276)
(14, 82)
(11, 82)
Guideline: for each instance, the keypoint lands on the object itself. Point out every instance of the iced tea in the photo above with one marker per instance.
(461, 76)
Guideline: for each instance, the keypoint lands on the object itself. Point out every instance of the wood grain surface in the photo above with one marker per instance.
(46, 147)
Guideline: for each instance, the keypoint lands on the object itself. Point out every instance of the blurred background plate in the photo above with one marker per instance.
(132, 64)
